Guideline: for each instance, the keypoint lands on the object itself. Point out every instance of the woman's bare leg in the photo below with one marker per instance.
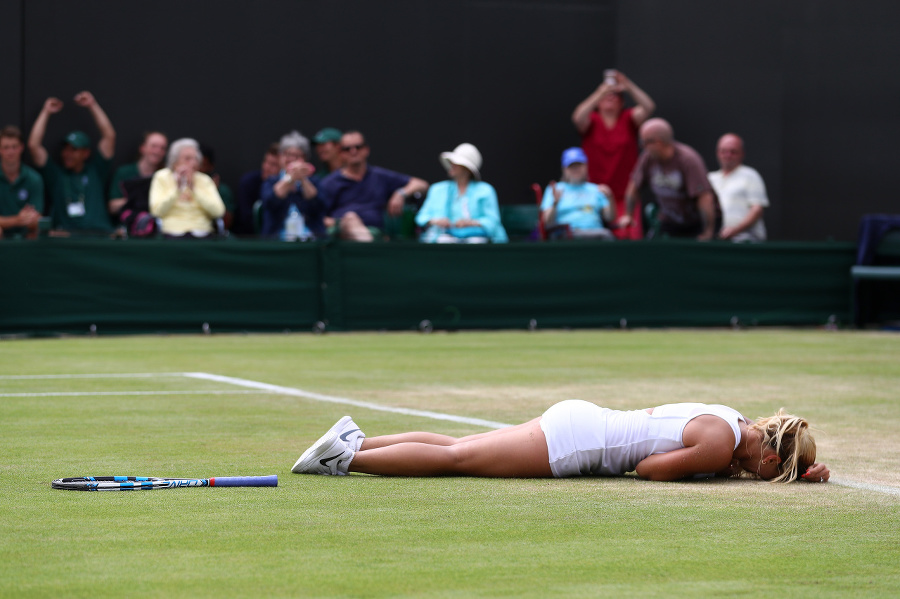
(426, 438)
(515, 452)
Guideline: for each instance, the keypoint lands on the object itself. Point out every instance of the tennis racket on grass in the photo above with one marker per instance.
(147, 483)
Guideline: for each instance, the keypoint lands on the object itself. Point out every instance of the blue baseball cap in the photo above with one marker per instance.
(573, 155)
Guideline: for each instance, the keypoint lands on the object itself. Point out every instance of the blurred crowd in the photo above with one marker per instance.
(630, 179)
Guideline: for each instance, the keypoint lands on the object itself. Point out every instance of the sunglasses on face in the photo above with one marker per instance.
(352, 148)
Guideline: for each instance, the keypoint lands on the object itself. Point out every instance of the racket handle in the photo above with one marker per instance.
(244, 481)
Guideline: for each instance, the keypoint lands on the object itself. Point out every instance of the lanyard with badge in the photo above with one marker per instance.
(75, 205)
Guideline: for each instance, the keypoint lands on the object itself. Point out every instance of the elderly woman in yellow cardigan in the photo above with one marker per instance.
(185, 200)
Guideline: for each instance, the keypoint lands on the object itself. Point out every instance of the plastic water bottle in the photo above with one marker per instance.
(295, 226)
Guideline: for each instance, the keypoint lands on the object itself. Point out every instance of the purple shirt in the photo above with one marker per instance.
(368, 198)
(676, 183)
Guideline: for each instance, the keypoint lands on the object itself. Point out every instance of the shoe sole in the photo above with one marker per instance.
(334, 429)
(309, 456)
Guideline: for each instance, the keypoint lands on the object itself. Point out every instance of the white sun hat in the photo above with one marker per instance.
(465, 155)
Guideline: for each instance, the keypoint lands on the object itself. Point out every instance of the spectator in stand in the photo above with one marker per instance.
(677, 176)
(77, 186)
(741, 191)
(328, 149)
(208, 167)
(183, 198)
(293, 187)
(464, 208)
(21, 189)
(573, 207)
(250, 191)
(609, 134)
(151, 158)
(357, 194)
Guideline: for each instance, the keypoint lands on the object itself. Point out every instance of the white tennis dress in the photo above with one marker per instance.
(584, 439)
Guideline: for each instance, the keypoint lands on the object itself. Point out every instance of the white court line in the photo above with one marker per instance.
(136, 375)
(119, 393)
(865, 486)
(343, 400)
(888, 490)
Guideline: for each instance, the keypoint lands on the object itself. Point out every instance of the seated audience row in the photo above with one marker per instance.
(287, 198)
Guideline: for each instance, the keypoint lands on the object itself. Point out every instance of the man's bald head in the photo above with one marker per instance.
(730, 152)
(657, 130)
(657, 138)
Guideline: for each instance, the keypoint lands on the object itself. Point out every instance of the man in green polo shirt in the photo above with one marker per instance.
(77, 185)
(21, 189)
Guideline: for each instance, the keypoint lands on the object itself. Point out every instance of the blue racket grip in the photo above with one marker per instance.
(244, 481)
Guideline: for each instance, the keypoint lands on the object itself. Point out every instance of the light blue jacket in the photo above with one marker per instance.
(579, 207)
(479, 203)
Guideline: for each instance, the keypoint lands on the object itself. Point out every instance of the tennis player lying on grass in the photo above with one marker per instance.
(578, 438)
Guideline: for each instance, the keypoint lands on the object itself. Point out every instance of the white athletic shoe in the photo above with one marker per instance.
(328, 455)
(349, 433)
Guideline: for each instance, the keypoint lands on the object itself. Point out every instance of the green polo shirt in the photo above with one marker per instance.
(79, 199)
(28, 188)
(126, 172)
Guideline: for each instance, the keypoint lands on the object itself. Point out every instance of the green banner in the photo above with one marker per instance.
(67, 285)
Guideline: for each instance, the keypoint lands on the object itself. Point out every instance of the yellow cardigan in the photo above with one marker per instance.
(180, 216)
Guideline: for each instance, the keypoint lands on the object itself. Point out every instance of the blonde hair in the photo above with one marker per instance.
(789, 436)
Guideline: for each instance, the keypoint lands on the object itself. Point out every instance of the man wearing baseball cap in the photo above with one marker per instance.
(328, 149)
(76, 186)
(573, 207)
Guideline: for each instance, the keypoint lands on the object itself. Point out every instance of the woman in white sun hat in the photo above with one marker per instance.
(464, 208)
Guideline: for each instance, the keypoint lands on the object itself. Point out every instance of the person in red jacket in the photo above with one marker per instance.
(609, 137)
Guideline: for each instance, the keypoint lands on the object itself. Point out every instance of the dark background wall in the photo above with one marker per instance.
(810, 84)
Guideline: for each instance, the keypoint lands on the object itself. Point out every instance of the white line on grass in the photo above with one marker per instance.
(118, 393)
(865, 486)
(136, 375)
(343, 400)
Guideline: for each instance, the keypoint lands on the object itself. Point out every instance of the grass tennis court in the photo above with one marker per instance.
(360, 536)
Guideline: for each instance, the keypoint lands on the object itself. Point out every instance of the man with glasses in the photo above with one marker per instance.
(741, 191)
(688, 206)
(357, 194)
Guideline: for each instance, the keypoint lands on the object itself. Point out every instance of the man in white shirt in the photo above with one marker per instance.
(741, 191)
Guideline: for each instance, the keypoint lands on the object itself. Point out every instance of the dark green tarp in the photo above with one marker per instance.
(65, 286)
